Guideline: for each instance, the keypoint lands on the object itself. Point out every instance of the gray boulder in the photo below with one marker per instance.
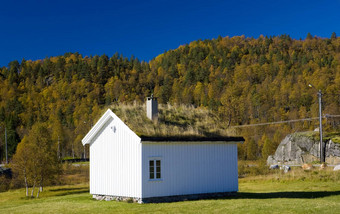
(285, 168)
(332, 153)
(336, 168)
(301, 147)
(274, 166)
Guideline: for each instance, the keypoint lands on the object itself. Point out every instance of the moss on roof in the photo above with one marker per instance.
(173, 121)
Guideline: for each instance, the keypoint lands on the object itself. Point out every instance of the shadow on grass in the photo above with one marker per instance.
(272, 195)
(70, 191)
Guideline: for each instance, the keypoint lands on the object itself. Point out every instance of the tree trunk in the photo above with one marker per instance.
(32, 193)
(26, 184)
(38, 192)
(229, 120)
(41, 184)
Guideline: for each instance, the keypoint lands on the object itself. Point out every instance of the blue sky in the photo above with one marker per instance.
(38, 29)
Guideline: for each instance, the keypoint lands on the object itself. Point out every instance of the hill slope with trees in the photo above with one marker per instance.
(243, 80)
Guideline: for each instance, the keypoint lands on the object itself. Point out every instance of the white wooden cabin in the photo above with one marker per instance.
(150, 169)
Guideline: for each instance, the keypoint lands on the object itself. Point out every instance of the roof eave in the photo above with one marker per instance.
(192, 139)
(94, 130)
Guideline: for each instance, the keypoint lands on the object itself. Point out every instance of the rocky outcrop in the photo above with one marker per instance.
(300, 148)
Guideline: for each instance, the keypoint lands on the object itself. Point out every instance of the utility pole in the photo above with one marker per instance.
(322, 153)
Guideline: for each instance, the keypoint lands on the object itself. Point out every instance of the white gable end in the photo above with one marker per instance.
(103, 122)
(115, 153)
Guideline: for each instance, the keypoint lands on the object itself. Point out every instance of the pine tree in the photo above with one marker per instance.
(333, 35)
(309, 36)
(251, 150)
(268, 147)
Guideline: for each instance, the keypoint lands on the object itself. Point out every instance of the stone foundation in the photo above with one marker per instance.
(165, 199)
(116, 198)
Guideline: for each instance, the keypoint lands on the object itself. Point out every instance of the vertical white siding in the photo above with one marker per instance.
(115, 161)
(190, 168)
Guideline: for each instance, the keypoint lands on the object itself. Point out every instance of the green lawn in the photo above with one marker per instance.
(255, 196)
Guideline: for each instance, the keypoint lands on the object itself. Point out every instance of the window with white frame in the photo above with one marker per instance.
(154, 169)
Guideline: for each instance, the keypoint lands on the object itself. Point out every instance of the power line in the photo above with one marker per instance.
(327, 115)
(284, 121)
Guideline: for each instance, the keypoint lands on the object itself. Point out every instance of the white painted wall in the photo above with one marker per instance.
(190, 168)
(115, 161)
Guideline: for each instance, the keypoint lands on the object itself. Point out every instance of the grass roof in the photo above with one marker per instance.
(173, 121)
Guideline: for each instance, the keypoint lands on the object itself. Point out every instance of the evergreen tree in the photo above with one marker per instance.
(309, 36)
(268, 147)
(251, 149)
(333, 35)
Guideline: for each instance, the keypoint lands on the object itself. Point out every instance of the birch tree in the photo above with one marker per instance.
(20, 162)
(36, 158)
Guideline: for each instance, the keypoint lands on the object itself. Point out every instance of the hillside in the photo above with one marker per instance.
(242, 80)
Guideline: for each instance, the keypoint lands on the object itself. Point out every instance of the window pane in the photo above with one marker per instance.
(155, 169)
(158, 169)
(151, 169)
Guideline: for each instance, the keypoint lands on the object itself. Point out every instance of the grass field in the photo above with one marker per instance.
(256, 195)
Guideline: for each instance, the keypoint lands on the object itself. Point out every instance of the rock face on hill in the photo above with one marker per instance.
(302, 147)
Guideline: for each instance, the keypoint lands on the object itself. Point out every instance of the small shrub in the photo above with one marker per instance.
(315, 162)
(130, 200)
(4, 183)
(336, 140)
(253, 169)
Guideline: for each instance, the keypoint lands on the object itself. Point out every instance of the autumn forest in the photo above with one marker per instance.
(242, 80)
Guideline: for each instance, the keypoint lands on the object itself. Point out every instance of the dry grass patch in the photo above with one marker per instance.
(258, 171)
(74, 173)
